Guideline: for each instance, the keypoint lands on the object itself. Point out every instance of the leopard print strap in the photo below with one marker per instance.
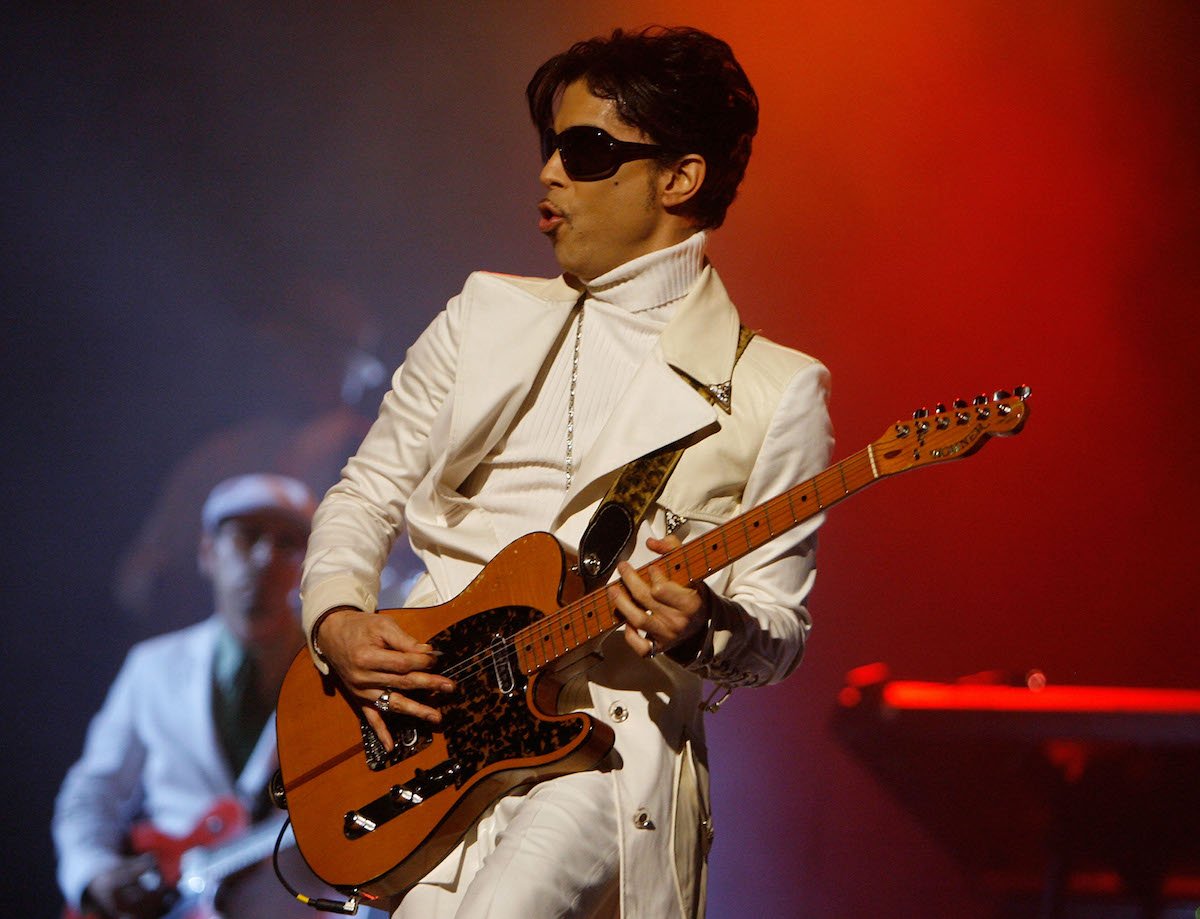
(639, 484)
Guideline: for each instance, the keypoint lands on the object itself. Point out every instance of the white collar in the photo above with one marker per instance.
(654, 279)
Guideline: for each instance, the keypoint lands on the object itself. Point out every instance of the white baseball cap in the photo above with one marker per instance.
(247, 494)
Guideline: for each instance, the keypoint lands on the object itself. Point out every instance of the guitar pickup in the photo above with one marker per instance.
(400, 798)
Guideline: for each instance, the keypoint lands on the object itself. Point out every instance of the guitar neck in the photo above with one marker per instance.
(217, 863)
(943, 435)
(562, 632)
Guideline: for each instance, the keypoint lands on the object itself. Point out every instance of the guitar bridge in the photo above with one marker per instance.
(408, 736)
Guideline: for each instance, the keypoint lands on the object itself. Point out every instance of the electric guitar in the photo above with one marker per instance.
(376, 822)
(221, 844)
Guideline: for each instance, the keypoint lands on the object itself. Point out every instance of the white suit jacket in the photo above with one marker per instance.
(457, 394)
(151, 752)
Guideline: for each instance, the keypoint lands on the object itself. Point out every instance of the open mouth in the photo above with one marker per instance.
(549, 217)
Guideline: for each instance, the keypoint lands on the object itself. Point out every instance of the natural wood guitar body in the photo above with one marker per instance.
(498, 732)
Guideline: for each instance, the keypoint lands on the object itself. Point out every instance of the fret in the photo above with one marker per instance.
(567, 630)
(546, 642)
(676, 566)
(587, 615)
(736, 529)
(791, 505)
(709, 545)
(691, 564)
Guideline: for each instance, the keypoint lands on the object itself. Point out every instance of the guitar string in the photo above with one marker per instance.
(857, 463)
(864, 461)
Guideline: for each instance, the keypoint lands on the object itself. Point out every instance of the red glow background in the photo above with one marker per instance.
(945, 198)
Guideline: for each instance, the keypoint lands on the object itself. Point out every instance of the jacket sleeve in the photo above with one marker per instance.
(102, 792)
(760, 618)
(361, 516)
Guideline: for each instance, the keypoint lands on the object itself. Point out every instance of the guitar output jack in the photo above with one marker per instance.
(275, 789)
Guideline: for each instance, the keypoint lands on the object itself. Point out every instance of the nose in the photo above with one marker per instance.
(552, 173)
(263, 550)
(270, 548)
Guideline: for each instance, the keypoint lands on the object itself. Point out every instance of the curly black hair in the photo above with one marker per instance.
(680, 87)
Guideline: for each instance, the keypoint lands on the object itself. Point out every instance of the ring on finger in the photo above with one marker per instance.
(384, 702)
(655, 650)
(649, 613)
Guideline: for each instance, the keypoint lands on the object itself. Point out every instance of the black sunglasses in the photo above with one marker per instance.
(590, 153)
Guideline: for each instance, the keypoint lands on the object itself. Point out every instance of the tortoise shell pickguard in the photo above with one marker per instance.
(488, 720)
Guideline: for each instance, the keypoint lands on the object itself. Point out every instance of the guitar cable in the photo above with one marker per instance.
(348, 907)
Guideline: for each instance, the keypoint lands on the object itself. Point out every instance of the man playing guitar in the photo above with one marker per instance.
(177, 760)
(515, 411)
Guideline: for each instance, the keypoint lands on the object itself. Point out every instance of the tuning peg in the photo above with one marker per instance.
(940, 407)
(1001, 394)
(1022, 392)
(981, 399)
(960, 411)
(919, 417)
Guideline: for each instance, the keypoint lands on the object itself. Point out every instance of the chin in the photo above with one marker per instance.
(569, 261)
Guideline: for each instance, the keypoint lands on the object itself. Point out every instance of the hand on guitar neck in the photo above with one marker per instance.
(662, 613)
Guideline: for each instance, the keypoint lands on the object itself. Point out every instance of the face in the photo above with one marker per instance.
(254, 563)
(596, 226)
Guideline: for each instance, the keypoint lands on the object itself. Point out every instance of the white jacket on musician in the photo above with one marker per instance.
(151, 753)
(457, 395)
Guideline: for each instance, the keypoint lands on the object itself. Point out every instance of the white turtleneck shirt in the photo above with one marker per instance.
(521, 482)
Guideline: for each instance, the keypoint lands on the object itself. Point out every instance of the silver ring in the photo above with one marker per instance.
(649, 614)
(655, 650)
(383, 703)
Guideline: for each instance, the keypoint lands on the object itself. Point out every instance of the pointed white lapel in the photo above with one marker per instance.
(702, 340)
(659, 407)
(497, 367)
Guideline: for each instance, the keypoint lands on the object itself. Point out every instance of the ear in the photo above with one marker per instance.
(680, 182)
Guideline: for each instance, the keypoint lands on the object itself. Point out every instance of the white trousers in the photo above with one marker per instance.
(549, 854)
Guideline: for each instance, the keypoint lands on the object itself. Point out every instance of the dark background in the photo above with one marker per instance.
(945, 198)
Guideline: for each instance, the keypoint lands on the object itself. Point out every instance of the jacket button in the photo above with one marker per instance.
(618, 712)
(707, 832)
(641, 819)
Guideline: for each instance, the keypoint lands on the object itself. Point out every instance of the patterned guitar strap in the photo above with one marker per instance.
(639, 484)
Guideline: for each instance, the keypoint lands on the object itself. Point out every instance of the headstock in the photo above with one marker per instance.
(949, 433)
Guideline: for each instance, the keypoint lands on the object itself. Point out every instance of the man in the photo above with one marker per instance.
(517, 409)
(189, 723)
